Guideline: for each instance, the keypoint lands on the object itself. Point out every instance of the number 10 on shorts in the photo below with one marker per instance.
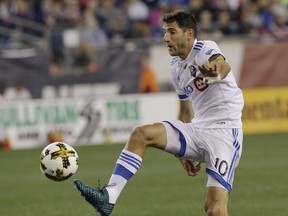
(221, 166)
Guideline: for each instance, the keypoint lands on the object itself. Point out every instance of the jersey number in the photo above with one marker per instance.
(221, 166)
(188, 89)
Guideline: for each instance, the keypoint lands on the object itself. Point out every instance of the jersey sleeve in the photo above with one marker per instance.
(181, 93)
(208, 52)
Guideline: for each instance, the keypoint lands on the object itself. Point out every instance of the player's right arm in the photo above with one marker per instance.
(186, 112)
(191, 167)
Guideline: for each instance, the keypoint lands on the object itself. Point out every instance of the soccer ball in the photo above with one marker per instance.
(58, 161)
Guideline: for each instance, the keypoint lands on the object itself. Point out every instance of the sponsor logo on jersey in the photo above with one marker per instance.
(199, 84)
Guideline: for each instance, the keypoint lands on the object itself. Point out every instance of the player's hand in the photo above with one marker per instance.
(211, 74)
(191, 167)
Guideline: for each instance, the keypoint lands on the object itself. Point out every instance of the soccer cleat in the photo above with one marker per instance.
(98, 198)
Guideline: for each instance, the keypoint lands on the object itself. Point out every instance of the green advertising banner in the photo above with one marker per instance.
(36, 123)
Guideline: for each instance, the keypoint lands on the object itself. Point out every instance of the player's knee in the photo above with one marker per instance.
(214, 208)
(138, 136)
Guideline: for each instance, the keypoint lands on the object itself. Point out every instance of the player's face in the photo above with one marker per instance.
(176, 40)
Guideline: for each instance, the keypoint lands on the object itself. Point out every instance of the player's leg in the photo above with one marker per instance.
(223, 156)
(216, 201)
(128, 163)
(147, 136)
(131, 157)
(172, 137)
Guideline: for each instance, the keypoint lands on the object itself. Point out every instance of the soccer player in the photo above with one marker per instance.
(208, 95)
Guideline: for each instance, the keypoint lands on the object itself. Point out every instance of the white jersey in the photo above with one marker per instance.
(218, 105)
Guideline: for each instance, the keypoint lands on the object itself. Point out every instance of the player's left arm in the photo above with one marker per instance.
(216, 69)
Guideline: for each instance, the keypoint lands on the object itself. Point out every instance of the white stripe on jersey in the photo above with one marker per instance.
(216, 106)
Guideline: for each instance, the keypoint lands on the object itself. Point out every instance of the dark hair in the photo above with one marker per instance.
(184, 19)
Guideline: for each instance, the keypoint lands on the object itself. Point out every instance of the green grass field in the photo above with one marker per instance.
(160, 188)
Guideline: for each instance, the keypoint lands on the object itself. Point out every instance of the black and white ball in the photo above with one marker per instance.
(58, 161)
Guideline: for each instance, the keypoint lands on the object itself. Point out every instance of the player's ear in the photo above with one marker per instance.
(190, 34)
